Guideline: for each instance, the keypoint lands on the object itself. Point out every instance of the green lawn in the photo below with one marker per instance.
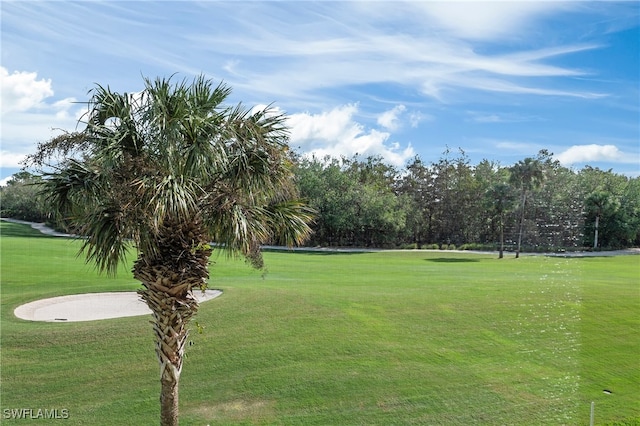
(339, 339)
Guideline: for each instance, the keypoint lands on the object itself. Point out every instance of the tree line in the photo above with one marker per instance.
(535, 205)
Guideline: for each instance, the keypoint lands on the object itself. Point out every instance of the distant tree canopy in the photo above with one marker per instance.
(451, 203)
(365, 202)
(19, 199)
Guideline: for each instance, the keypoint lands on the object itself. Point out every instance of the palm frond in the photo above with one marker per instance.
(171, 154)
(106, 238)
(289, 222)
(238, 227)
(72, 185)
(256, 149)
(173, 197)
(64, 146)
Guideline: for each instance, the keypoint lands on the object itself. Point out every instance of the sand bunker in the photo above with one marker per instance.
(92, 306)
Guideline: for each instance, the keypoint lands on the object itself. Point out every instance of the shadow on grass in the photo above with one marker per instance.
(8, 229)
(451, 260)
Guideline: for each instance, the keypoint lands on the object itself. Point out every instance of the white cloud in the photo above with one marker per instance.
(336, 133)
(28, 117)
(594, 153)
(22, 90)
(326, 126)
(390, 119)
(3, 182)
(11, 159)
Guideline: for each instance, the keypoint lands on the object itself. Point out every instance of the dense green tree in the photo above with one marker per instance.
(595, 179)
(356, 201)
(167, 171)
(380, 217)
(444, 224)
(454, 200)
(598, 205)
(19, 199)
(415, 186)
(557, 206)
(630, 202)
(468, 199)
(332, 194)
(499, 200)
(611, 221)
(526, 175)
(487, 174)
(618, 219)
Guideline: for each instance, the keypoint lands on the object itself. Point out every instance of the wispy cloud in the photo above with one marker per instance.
(341, 44)
(515, 147)
(299, 50)
(488, 117)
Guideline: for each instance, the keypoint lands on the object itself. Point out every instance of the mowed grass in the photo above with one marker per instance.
(339, 339)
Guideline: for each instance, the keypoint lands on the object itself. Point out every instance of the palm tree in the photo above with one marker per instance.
(599, 204)
(526, 175)
(499, 200)
(166, 171)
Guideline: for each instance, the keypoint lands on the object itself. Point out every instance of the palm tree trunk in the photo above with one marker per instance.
(501, 236)
(524, 201)
(168, 278)
(169, 402)
(171, 316)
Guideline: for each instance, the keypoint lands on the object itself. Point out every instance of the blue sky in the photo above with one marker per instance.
(500, 80)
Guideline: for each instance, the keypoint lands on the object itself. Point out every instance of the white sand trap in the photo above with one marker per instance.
(92, 306)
